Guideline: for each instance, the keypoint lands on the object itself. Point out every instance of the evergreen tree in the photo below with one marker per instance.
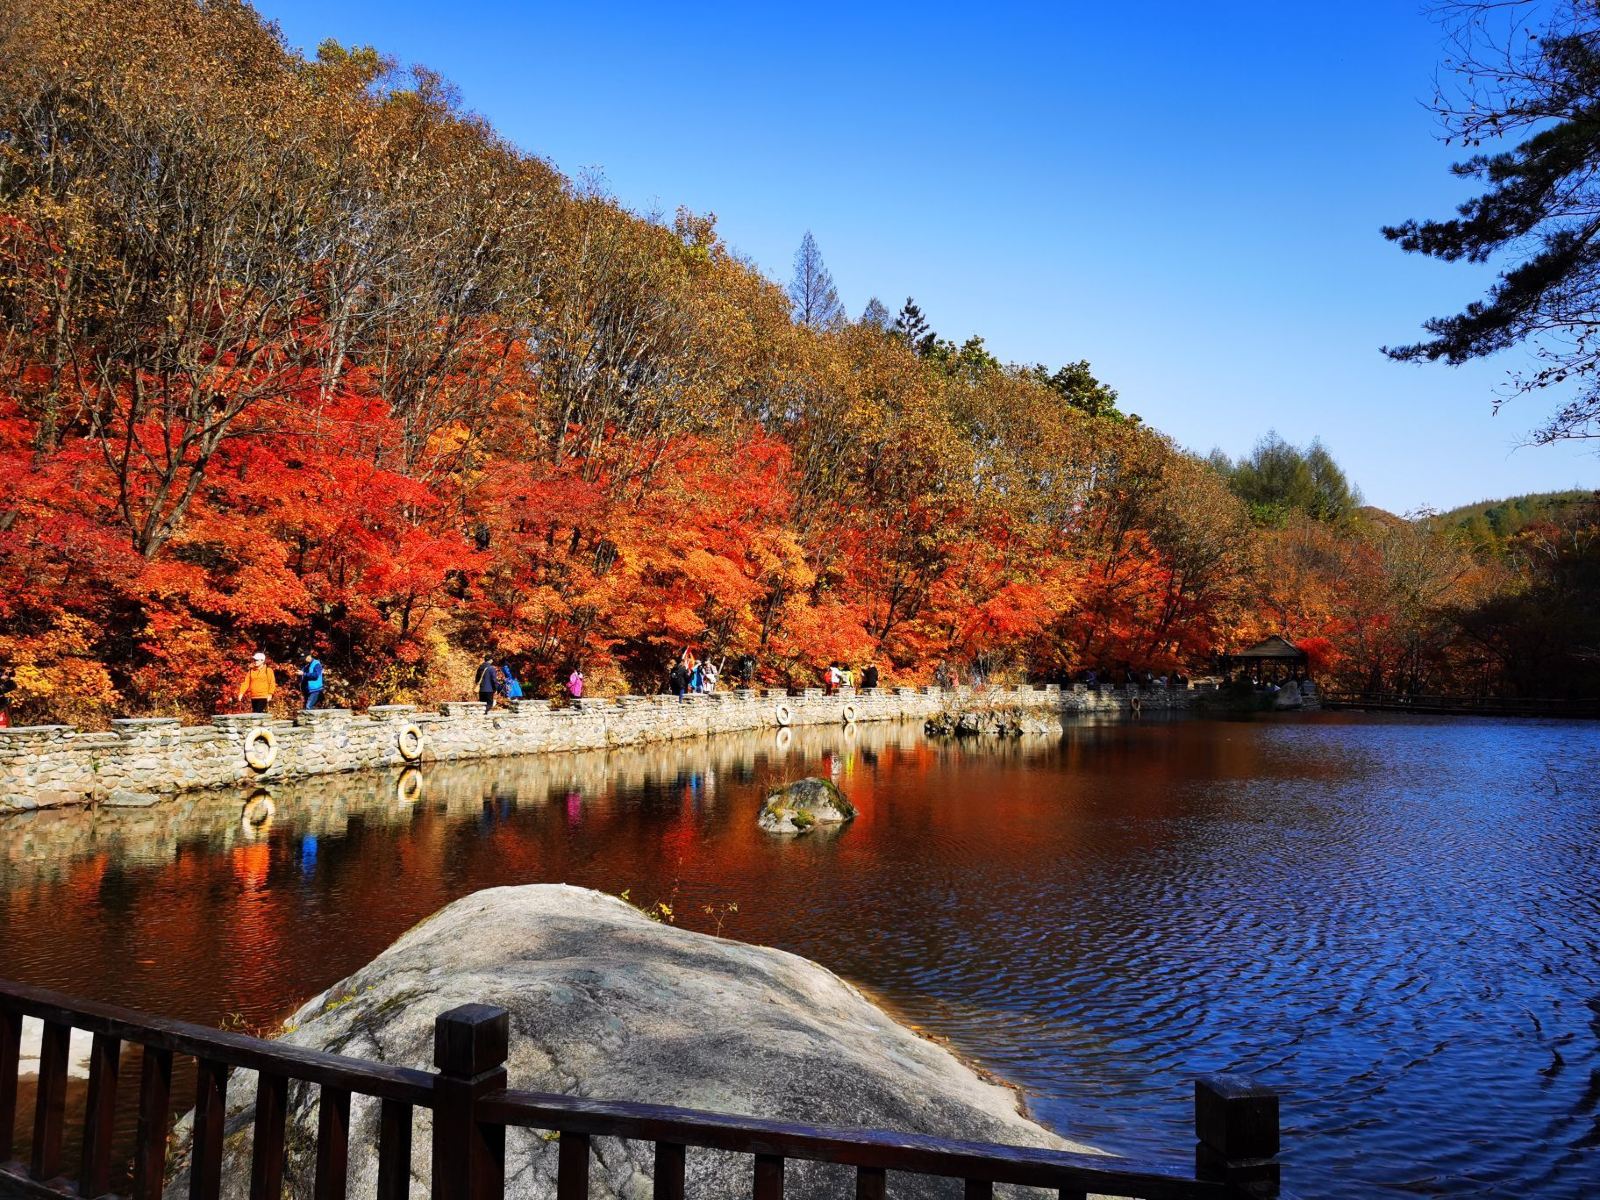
(1539, 204)
(912, 328)
(1277, 478)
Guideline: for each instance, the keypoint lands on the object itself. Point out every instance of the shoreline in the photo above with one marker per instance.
(144, 761)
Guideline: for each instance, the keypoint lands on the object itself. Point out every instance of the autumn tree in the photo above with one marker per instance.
(811, 291)
(166, 222)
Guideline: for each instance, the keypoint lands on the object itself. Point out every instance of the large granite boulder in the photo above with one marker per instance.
(802, 806)
(607, 1004)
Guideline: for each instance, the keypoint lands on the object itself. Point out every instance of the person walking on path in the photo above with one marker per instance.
(489, 683)
(678, 679)
(869, 677)
(259, 684)
(511, 684)
(575, 684)
(311, 681)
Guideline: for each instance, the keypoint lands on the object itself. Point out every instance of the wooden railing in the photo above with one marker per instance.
(1236, 1123)
(1487, 706)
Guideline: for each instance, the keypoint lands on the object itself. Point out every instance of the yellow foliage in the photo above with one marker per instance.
(54, 677)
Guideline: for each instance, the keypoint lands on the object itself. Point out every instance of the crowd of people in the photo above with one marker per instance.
(495, 679)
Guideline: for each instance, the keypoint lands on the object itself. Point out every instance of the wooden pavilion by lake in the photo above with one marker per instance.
(1273, 659)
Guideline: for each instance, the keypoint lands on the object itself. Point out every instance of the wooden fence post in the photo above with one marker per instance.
(1236, 1131)
(470, 1044)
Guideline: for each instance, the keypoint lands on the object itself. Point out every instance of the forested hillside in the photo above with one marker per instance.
(1490, 524)
(302, 354)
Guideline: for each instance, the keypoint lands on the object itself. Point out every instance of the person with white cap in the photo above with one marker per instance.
(258, 684)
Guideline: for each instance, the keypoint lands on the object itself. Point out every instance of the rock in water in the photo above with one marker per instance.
(609, 1005)
(801, 806)
(1004, 722)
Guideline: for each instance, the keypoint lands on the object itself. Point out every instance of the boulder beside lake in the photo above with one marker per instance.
(608, 1004)
(1004, 722)
(801, 806)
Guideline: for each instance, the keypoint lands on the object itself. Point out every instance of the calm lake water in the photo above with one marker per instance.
(1395, 921)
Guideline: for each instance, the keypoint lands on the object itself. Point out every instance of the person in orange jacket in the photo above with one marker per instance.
(258, 684)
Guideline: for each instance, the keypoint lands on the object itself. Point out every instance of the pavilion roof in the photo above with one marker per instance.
(1272, 647)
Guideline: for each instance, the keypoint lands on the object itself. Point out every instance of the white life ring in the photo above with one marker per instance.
(258, 811)
(260, 749)
(409, 741)
(849, 714)
(408, 788)
(782, 715)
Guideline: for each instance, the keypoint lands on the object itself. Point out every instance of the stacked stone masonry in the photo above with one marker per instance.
(142, 760)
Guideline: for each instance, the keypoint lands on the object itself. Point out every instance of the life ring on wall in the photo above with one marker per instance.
(849, 714)
(782, 715)
(258, 811)
(260, 749)
(408, 788)
(409, 741)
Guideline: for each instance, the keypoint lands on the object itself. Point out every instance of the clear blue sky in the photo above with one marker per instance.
(1186, 195)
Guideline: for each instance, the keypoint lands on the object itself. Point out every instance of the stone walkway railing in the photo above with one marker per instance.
(142, 759)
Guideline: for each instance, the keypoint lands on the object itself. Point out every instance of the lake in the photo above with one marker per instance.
(1394, 921)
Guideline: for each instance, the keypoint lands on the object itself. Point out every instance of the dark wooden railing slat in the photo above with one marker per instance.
(917, 1154)
(333, 1144)
(236, 1050)
(10, 1064)
(1236, 1122)
(50, 1106)
(769, 1177)
(572, 1167)
(669, 1172)
(266, 1152)
(155, 1106)
(394, 1151)
(100, 1116)
(210, 1114)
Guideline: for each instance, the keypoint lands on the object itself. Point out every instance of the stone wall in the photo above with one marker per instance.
(142, 760)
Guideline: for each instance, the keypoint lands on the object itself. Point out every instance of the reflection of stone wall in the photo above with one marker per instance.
(40, 846)
(141, 760)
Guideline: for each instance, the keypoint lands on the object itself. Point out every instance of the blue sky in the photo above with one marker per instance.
(1186, 195)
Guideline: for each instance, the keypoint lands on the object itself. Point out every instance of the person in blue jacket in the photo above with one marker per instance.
(311, 680)
(513, 688)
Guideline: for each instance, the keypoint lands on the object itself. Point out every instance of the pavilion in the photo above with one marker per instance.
(1276, 658)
